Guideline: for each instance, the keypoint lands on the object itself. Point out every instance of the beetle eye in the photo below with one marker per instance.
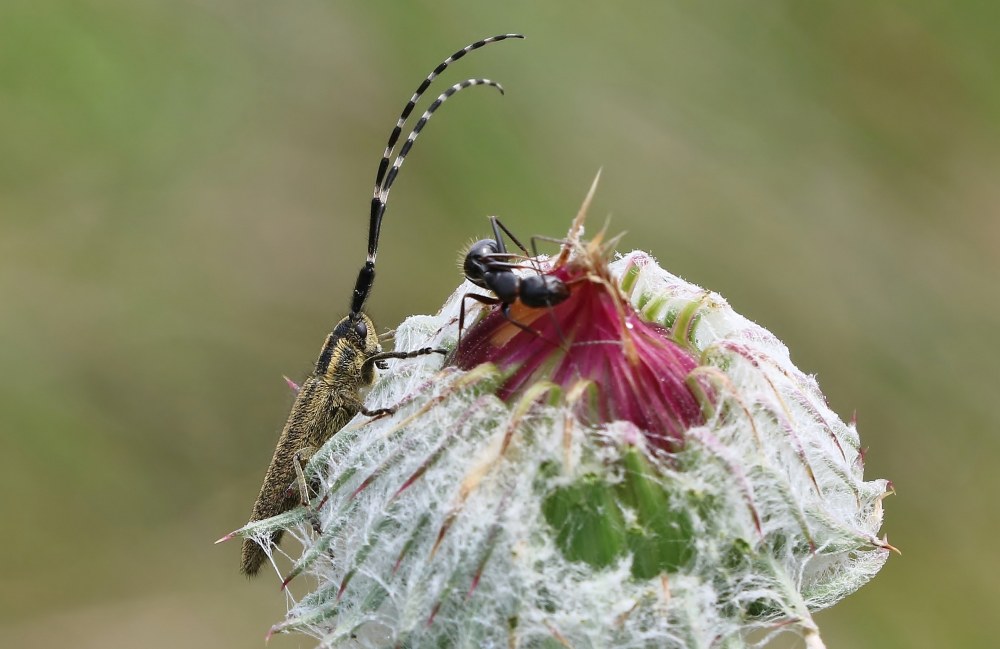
(361, 330)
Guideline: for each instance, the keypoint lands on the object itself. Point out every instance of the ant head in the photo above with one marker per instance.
(477, 261)
(386, 175)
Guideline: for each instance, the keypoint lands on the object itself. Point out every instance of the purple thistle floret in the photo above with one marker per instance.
(638, 371)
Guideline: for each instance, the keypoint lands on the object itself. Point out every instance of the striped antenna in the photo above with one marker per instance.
(384, 180)
(410, 105)
(382, 196)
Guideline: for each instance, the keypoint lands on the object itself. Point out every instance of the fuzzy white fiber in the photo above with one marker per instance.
(433, 533)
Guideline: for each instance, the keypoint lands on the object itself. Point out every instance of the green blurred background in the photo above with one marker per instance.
(183, 202)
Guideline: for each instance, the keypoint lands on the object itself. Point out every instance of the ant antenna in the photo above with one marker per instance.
(384, 181)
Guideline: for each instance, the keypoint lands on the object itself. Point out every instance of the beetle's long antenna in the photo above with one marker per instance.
(390, 178)
(383, 181)
(398, 129)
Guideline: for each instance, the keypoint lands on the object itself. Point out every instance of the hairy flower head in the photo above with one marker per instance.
(637, 466)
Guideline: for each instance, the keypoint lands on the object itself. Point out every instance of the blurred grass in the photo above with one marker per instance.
(183, 198)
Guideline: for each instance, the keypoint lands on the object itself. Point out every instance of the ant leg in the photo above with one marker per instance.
(510, 265)
(482, 299)
(536, 238)
(511, 261)
(517, 242)
(501, 247)
(563, 341)
(529, 256)
(505, 310)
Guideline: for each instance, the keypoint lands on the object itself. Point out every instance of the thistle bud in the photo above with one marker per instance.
(637, 466)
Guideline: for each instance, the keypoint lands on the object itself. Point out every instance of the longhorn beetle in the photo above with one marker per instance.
(330, 396)
(489, 265)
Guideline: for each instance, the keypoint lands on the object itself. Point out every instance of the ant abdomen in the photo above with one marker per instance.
(538, 291)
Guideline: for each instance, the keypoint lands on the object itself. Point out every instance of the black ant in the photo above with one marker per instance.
(488, 265)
